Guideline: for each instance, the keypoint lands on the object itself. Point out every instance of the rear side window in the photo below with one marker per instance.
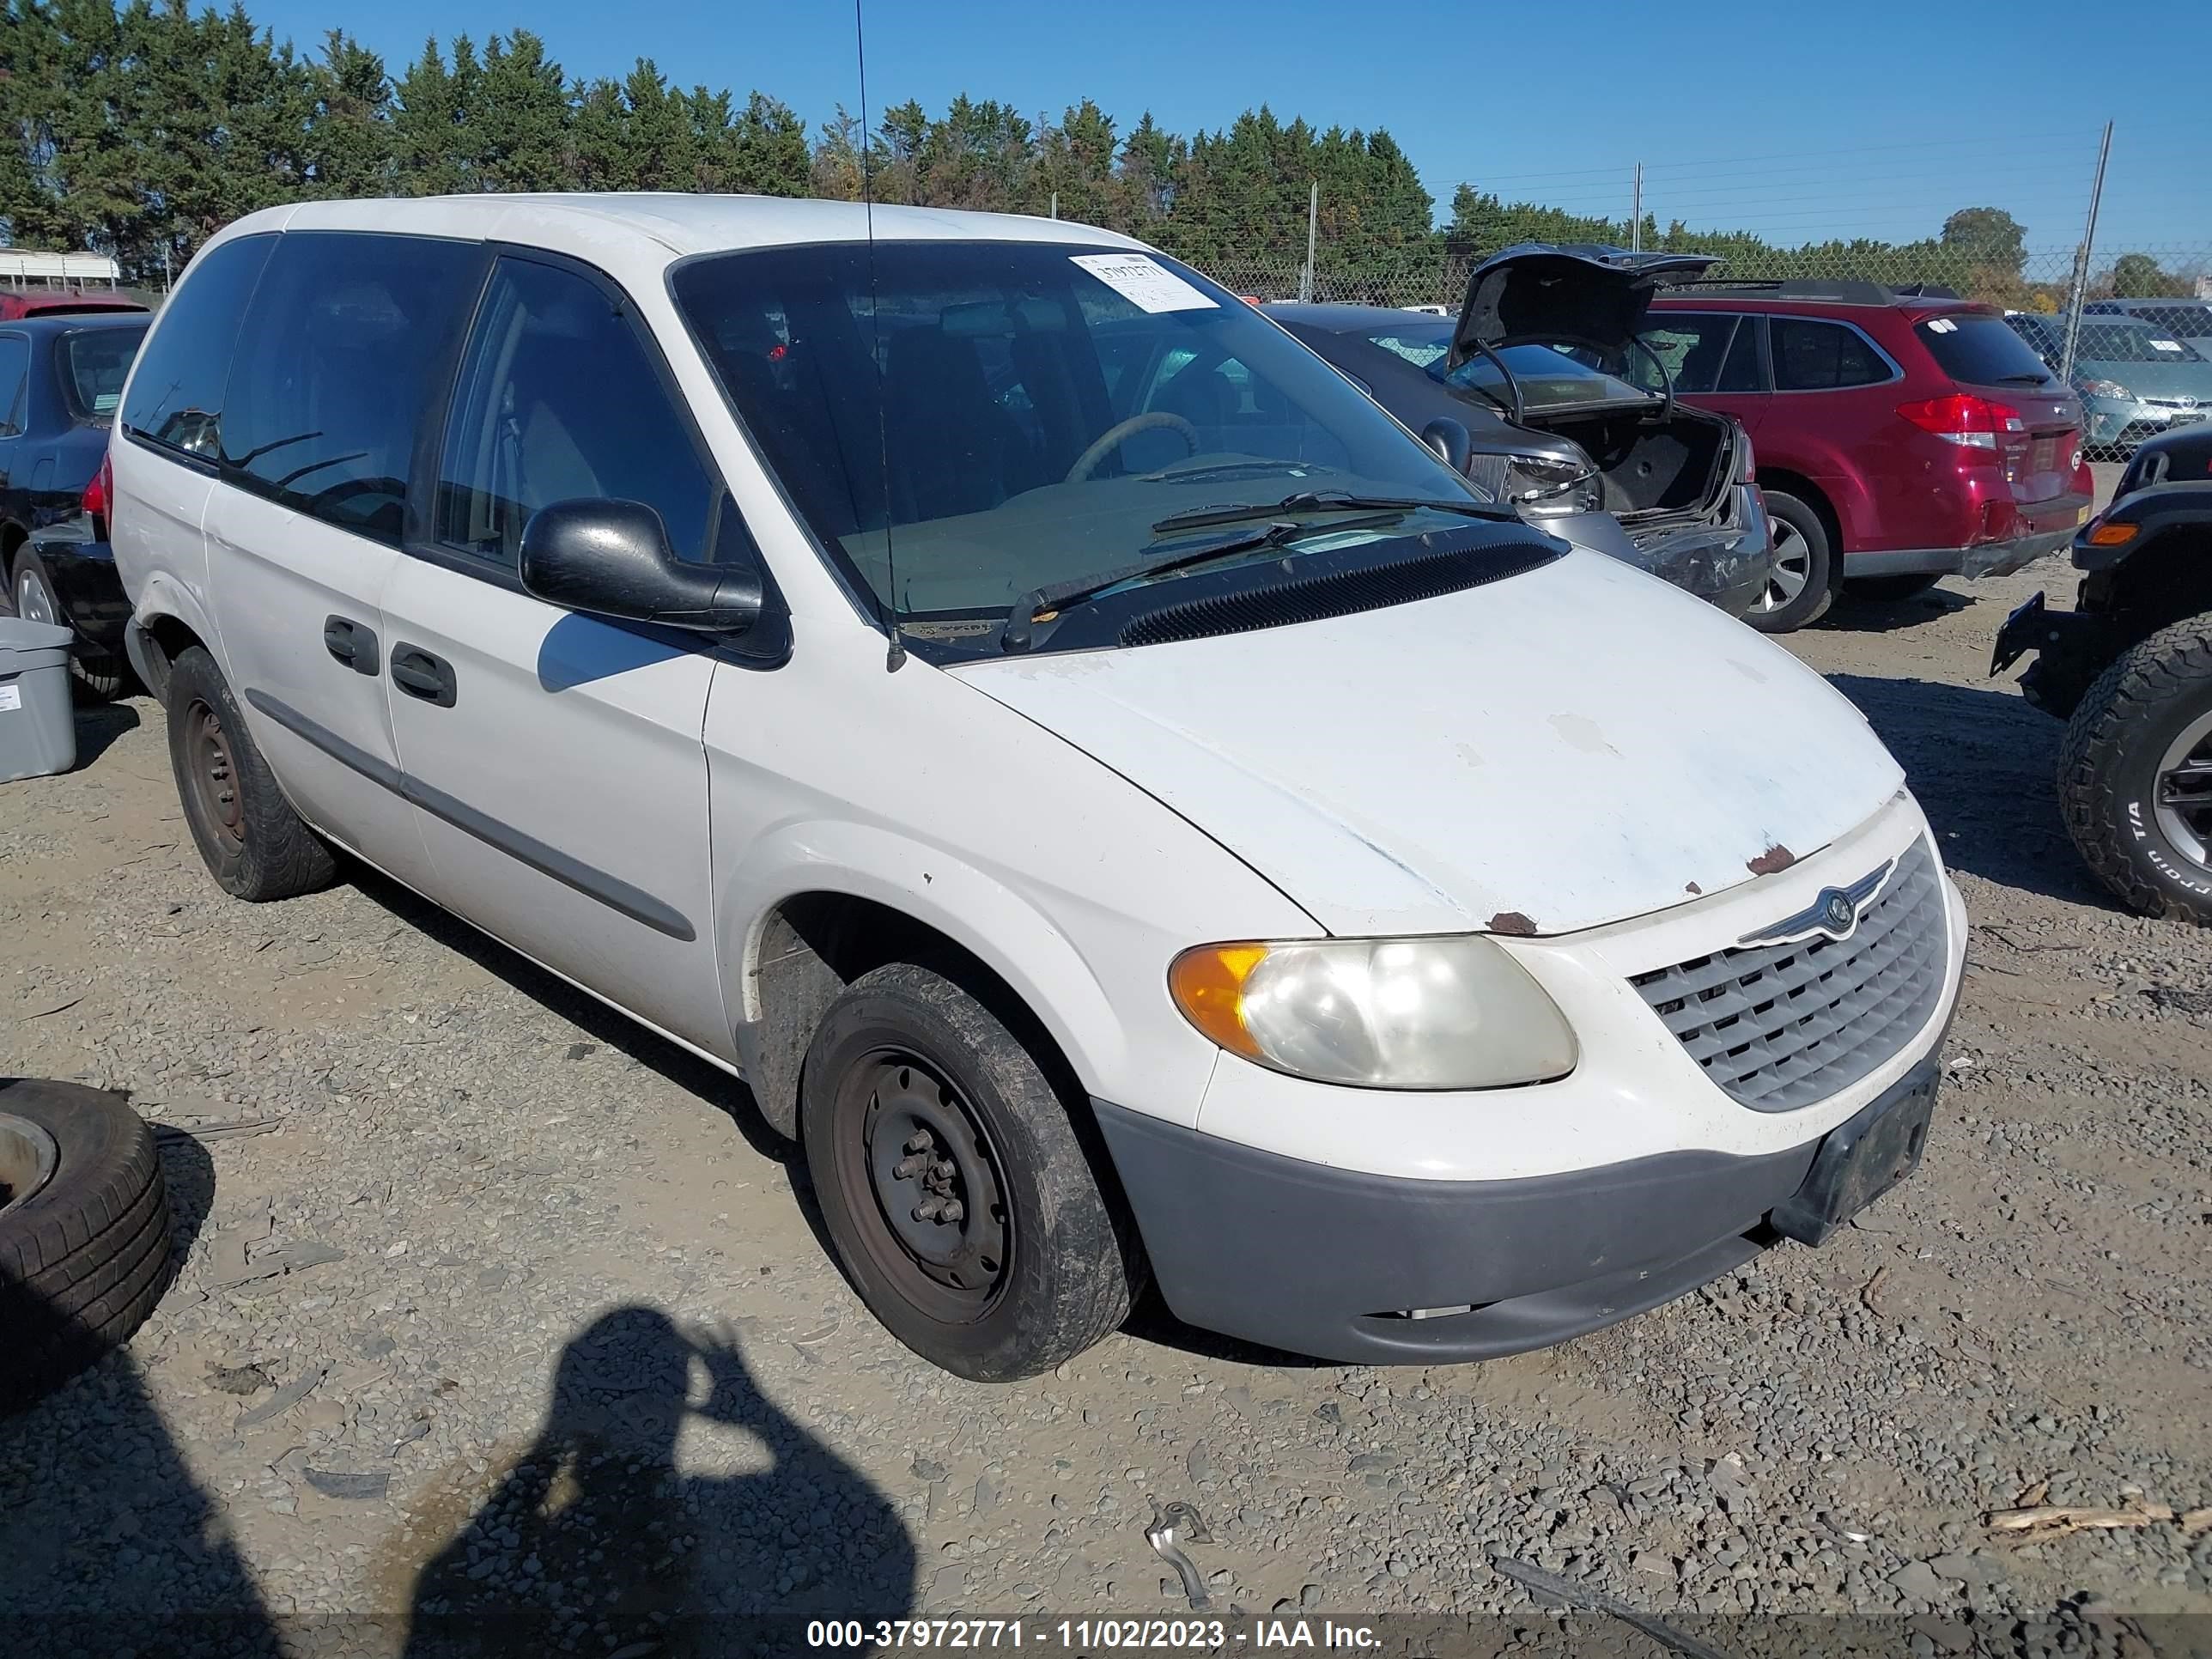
(1976, 350)
(560, 397)
(1811, 355)
(15, 373)
(1693, 345)
(332, 377)
(175, 399)
(94, 363)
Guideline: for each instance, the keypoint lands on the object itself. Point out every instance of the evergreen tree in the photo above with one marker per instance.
(349, 141)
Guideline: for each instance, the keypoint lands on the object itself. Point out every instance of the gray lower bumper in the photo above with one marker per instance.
(1984, 559)
(1321, 1262)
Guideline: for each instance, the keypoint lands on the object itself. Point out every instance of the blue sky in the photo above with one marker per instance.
(1770, 117)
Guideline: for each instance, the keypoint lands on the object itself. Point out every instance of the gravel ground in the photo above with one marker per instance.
(542, 1329)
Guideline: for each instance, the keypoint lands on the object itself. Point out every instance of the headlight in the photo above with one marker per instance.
(2105, 389)
(1387, 1013)
(1542, 483)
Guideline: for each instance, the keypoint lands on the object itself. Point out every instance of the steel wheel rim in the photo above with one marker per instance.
(28, 1159)
(32, 601)
(944, 1235)
(1791, 570)
(2181, 791)
(214, 774)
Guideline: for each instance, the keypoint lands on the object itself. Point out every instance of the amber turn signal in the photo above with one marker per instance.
(1208, 986)
(2111, 535)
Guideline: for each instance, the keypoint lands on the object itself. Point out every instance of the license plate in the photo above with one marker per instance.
(1858, 1162)
(2020, 633)
(2081, 516)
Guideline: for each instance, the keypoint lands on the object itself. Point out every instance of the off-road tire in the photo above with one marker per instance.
(1819, 592)
(1073, 1262)
(275, 855)
(86, 1257)
(100, 677)
(2108, 767)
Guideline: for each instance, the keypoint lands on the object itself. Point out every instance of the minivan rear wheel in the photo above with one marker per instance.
(956, 1192)
(254, 843)
(1802, 583)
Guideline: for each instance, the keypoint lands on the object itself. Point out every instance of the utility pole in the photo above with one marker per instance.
(1636, 219)
(1313, 234)
(2081, 262)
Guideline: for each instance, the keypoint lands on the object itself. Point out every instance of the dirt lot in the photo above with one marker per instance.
(577, 1359)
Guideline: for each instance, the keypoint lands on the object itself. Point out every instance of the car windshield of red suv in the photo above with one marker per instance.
(1975, 349)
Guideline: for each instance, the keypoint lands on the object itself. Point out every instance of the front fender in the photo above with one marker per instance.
(985, 916)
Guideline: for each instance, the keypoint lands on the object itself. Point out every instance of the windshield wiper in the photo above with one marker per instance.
(1041, 605)
(1325, 500)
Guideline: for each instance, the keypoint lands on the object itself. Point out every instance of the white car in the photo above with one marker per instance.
(1111, 792)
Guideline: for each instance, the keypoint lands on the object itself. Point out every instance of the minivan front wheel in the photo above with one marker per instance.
(254, 843)
(1801, 584)
(960, 1202)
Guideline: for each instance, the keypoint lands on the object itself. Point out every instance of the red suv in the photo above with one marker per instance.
(1903, 434)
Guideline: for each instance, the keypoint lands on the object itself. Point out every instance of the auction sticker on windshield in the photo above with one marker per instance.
(1145, 283)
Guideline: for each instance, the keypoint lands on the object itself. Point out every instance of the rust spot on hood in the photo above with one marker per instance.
(1512, 921)
(1777, 857)
(1693, 889)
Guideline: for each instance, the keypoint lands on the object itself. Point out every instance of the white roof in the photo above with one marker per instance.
(671, 224)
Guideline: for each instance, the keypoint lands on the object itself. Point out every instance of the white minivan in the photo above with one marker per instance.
(1114, 794)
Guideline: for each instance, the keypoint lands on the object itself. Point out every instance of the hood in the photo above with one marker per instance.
(1583, 293)
(1570, 747)
(2177, 380)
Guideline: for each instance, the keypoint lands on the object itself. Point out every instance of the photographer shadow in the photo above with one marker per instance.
(595, 1541)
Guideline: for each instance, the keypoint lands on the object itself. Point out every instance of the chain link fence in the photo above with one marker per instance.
(2041, 281)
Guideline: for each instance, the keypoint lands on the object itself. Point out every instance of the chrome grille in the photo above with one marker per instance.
(1780, 1026)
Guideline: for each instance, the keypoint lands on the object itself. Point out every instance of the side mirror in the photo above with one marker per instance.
(1450, 440)
(609, 558)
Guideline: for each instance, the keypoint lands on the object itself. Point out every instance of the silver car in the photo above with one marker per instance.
(2135, 379)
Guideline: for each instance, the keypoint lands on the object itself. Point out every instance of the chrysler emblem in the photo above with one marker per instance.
(1835, 912)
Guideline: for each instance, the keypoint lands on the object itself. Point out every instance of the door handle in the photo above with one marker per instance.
(419, 674)
(350, 643)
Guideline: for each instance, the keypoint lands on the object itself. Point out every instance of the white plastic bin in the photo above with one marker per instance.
(38, 727)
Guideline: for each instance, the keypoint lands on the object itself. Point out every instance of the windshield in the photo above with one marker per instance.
(986, 419)
(2105, 341)
(95, 362)
(2189, 322)
(1547, 378)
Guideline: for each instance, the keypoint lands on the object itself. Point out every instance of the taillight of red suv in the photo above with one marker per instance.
(1962, 418)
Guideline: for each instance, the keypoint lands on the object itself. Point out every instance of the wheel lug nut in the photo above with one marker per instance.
(928, 1210)
(951, 1210)
(907, 1168)
(921, 1142)
(943, 1169)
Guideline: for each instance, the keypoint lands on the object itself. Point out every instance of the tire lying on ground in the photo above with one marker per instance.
(84, 1232)
(2134, 774)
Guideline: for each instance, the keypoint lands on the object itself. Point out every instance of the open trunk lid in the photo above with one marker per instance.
(1572, 293)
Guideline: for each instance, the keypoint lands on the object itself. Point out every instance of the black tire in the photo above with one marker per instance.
(903, 1039)
(255, 846)
(1790, 602)
(85, 1256)
(1888, 590)
(99, 676)
(2119, 745)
